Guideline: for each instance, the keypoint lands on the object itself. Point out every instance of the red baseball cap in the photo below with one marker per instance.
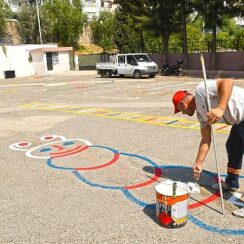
(177, 97)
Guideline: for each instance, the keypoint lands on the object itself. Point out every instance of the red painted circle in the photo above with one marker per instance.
(80, 149)
(23, 144)
(115, 158)
(157, 174)
(205, 201)
(48, 137)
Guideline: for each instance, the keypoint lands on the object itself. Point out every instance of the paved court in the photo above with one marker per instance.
(81, 155)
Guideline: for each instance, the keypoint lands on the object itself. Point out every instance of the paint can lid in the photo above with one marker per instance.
(166, 188)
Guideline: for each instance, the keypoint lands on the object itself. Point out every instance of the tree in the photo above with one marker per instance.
(213, 13)
(61, 22)
(195, 35)
(27, 26)
(161, 19)
(67, 21)
(5, 13)
(134, 9)
(185, 7)
(103, 29)
(126, 36)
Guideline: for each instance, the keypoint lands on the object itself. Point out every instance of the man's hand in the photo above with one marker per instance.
(214, 115)
(197, 170)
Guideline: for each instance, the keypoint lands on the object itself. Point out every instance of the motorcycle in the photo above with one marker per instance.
(172, 69)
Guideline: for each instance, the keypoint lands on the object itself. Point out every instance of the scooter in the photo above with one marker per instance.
(172, 69)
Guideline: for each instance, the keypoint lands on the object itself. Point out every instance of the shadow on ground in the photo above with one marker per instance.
(184, 174)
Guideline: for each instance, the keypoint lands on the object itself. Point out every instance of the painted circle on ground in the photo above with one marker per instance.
(24, 144)
(113, 160)
(154, 178)
(125, 188)
(206, 200)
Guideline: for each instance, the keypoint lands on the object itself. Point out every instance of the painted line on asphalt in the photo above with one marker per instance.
(168, 121)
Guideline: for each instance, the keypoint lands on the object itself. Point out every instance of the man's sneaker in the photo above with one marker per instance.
(239, 212)
(225, 187)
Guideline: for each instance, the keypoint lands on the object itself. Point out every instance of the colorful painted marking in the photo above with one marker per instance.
(181, 123)
(171, 122)
(60, 146)
(7, 91)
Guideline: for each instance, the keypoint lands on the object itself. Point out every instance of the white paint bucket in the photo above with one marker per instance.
(172, 203)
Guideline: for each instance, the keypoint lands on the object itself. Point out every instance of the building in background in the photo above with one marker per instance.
(16, 4)
(93, 7)
(239, 21)
(33, 60)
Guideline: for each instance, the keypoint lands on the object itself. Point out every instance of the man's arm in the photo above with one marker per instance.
(224, 87)
(202, 151)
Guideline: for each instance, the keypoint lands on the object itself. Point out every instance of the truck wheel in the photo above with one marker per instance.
(151, 75)
(137, 74)
(102, 74)
(107, 73)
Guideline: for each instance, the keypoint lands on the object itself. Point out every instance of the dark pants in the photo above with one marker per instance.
(235, 151)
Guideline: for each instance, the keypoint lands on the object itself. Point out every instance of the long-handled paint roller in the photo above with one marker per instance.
(213, 137)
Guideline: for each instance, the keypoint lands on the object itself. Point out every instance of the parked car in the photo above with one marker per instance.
(131, 64)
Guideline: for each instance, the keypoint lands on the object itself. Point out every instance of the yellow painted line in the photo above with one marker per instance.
(166, 121)
(7, 91)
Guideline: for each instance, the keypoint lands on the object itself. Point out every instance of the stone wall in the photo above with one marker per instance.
(13, 32)
(86, 37)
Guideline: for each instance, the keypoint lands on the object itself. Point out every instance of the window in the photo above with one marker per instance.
(90, 3)
(106, 4)
(55, 58)
(90, 15)
(131, 60)
(121, 59)
(142, 58)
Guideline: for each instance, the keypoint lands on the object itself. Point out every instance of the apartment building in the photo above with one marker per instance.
(239, 21)
(16, 4)
(93, 7)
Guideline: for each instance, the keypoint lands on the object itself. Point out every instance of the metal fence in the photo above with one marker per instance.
(88, 61)
(6, 40)
(205, 46)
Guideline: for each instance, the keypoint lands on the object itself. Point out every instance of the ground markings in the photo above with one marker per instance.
(7, 91)
(175, 122)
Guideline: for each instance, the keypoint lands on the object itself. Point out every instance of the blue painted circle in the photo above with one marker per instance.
(50, 163)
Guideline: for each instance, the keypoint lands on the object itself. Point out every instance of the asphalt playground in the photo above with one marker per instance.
(81, 155)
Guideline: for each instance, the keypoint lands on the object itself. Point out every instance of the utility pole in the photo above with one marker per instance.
(38, 19)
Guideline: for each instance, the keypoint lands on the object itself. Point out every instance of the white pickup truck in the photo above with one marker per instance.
(135, 64)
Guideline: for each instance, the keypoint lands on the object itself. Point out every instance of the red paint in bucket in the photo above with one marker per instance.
(172, 203)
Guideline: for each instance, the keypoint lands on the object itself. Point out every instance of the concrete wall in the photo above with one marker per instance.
(17, 58)
(63, 64)
(228, 61)
(228, 64)
(39, 63)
